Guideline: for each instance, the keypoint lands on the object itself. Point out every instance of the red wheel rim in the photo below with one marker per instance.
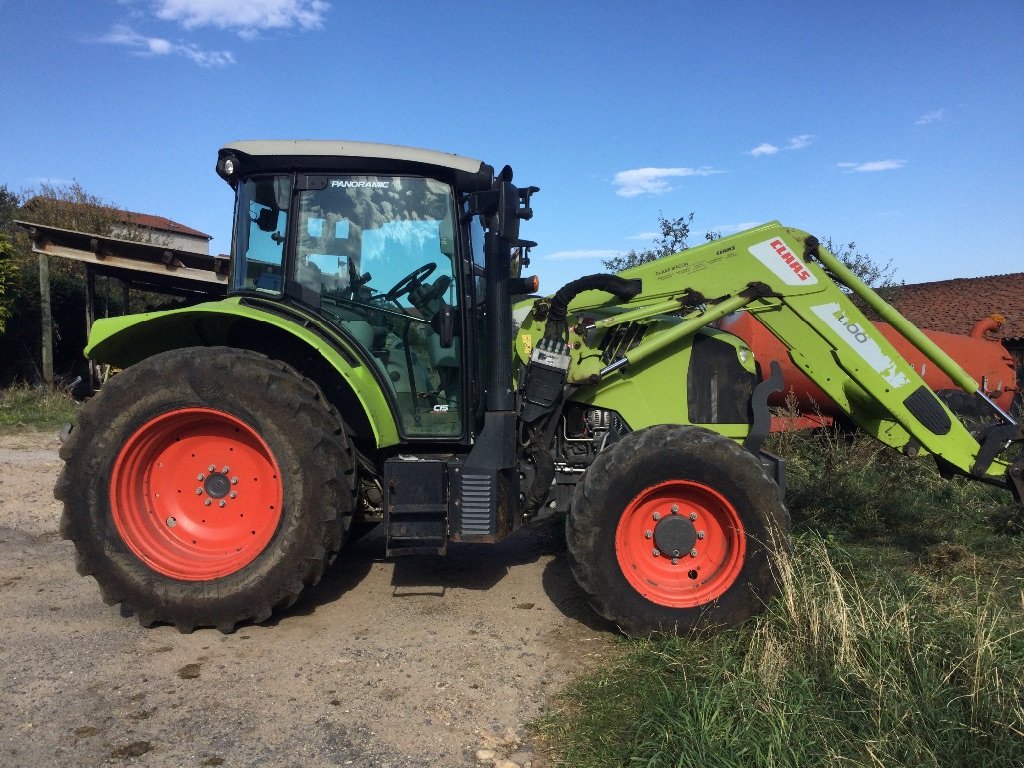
(680, 544)
(196, 494)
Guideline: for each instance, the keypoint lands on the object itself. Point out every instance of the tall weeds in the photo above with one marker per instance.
(897, 639)
(836, 673)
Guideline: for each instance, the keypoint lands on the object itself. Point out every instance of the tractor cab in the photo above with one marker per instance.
(402, 260)
(392, 259)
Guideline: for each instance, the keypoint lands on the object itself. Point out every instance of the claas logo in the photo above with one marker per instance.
(794, 263)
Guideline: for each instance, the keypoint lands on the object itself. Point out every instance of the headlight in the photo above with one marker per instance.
(227, 167)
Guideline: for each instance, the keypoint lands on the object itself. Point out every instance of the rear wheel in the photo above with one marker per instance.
(205, 487)
(676, 529)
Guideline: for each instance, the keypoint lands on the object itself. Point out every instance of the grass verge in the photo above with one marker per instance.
(23, 406)
(898, 639)
(841, 671)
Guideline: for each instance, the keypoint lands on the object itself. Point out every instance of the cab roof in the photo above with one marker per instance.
(319, 156)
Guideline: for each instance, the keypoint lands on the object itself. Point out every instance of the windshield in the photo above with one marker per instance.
(361, 237)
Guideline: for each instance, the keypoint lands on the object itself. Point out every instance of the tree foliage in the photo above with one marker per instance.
(674, 233)
(8, 275)
(671, 240)
(881, 277)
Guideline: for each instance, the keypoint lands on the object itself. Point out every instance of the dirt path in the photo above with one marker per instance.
(416, 662)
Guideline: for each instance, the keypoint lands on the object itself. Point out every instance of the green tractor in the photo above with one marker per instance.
(379, 359)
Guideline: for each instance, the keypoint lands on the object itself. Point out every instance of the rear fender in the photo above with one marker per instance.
(323, 354)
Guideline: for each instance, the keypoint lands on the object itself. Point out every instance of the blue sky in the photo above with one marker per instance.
(898, 125)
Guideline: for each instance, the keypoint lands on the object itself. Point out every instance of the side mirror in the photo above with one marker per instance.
(503, 206)
(266, 219)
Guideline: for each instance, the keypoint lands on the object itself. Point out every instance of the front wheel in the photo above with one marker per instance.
(676, 529)
(205, 487)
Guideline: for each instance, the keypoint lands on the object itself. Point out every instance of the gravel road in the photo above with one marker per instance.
(422, 661)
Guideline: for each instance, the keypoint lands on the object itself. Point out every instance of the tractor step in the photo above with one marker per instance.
(416, 512)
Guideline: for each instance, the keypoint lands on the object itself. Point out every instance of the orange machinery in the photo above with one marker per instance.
(985, 359)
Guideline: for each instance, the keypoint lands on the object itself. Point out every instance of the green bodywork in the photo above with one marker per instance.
(766, 271)
(123, 341)
(828, 338)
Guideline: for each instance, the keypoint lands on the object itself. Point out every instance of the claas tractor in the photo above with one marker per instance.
(380, 359)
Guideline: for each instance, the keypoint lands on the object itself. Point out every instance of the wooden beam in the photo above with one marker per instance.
(46, 318)
(110, 260)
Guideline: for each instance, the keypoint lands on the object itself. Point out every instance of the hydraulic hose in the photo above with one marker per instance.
(620, 287)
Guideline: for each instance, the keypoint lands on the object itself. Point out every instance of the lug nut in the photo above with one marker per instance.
(648, 534)
(208, 502)
(693, 516)
(234, 481)
(221, 503)
(675, 509)
(200, 477)
(675, 561)
(212, 468)
(171, 522)
(656, 516)
(656, 552)
(701, 534)
(199, 491)
(234, 494)
(693, 553)
(225, 470)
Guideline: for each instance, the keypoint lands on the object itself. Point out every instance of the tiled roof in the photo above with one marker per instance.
(163, 224)
(159, 223)
(955, 306)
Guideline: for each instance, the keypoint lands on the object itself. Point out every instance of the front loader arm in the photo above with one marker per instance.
(788, 281)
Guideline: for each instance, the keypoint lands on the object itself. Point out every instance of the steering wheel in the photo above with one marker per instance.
(411, 281)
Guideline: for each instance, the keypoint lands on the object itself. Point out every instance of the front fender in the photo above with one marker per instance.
(124, 341)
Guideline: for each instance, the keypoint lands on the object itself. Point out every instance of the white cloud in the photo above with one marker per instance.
(653, 181)
(249, 17)
(801, 141)
(875, 165)
(931, 117)
(645, 236)
(581, 254)
(158, 46)
(797, 142)
(764, 149)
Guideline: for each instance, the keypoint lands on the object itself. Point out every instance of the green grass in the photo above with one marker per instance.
(26, 407)
(898, 639)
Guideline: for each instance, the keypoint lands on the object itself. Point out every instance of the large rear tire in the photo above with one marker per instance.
(676, 529)
(206, 487)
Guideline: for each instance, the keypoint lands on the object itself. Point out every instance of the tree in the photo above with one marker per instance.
(672, 240)
(8, 275)
(881, 277)
(9, 204)
(674, 233)
(9, 272)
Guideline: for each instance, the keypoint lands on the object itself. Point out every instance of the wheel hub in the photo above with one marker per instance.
(675, 535)
(217, 485)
